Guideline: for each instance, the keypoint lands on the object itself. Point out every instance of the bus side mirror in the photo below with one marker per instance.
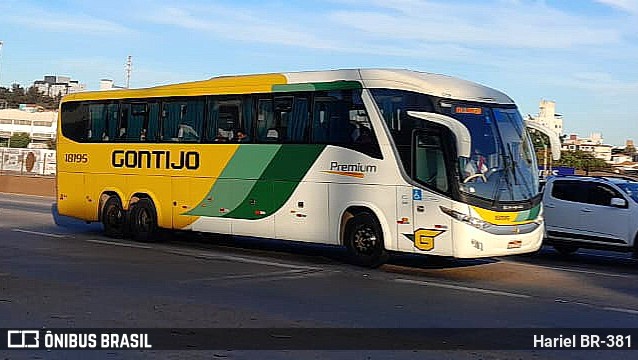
(461, 133)
(554, 140)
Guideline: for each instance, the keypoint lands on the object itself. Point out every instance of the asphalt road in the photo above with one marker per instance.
(72, 276)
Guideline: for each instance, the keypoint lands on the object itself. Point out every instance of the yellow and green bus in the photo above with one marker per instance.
(376, 160)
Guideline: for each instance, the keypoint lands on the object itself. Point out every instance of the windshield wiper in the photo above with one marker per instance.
(513, 167)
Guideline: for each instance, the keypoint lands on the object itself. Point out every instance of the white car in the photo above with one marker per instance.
(591, 212)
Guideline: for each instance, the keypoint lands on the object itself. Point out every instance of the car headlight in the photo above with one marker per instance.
(468, 219)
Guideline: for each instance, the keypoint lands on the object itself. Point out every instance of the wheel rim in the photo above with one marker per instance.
(114, 217)
(365, 240)
(144, 221)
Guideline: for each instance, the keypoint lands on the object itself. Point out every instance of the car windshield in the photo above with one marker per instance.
(502, 165)
(630, 188)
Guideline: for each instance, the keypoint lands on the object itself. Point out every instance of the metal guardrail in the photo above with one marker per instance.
(27, 162)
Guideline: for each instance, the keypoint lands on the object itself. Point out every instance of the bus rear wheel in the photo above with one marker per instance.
(114, 218)
(143, 221)
(364, 240)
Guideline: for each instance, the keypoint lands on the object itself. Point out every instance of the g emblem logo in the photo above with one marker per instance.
(424, 238)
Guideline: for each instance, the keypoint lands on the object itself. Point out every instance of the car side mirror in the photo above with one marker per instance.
(618, 202)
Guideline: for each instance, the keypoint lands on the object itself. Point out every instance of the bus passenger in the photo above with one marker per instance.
(241, 137)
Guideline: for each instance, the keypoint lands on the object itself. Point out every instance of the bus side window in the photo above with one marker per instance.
(97, 122)
(150, 128)
(265, 119)
(124, 123)
(111, 116)
(429, 161)
(138, 120)
(298, 131)
(226, 118)
(76, 121)
(340, 118)
(182, 120)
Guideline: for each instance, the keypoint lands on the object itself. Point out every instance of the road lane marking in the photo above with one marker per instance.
(232, 258)
(38, 233)
(104, 242)
(256, 261)
(246, 276)
(210, 256)
(626, 311)
(622, 275)
(463, 288)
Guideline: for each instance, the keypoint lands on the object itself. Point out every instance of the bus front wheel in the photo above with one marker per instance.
(364, 240)
(114, 218)
(143, 221)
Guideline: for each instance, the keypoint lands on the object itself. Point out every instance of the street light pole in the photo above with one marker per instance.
(1, 43)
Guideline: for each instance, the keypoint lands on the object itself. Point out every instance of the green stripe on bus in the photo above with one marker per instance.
(236, 180)
(278, 182)
(227, 195)
(250, 161)
(530, 214)
(522, 215)
(533, 212)
(320, 86)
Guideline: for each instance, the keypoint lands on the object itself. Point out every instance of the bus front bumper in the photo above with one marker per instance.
(498, 241)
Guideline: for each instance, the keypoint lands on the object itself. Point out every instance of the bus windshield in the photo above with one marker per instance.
(502, 166)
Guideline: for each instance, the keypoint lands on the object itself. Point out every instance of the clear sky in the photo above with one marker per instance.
(582, 54)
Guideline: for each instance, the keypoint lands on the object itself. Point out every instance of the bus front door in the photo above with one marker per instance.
(432, 227)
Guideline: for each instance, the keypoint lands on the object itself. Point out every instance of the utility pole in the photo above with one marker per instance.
(129, 65)
(1, 43)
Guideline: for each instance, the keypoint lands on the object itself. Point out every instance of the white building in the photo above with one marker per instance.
(40, 125)
(58, 85)
(593, 144)
(621, 158)
(548, 117)
(107, 84)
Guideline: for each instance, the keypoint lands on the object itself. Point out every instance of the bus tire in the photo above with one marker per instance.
(363, 238)
(114, 218)
(143, 221)
(565, 250)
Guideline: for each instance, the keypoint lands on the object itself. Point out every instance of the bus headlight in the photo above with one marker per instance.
(468, 219)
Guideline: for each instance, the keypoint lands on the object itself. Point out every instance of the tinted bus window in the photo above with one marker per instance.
(340, 118)
(103, 120)
(298, 129)
(133, 122)
(75, 121)
(182, 120)
(265, 120)
(227, 116)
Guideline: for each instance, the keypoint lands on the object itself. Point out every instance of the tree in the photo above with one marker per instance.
(16, 95)
(582, 160)
(542, 147)
(20, 140)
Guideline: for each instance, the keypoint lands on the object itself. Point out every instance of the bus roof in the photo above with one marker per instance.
(427, 83)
